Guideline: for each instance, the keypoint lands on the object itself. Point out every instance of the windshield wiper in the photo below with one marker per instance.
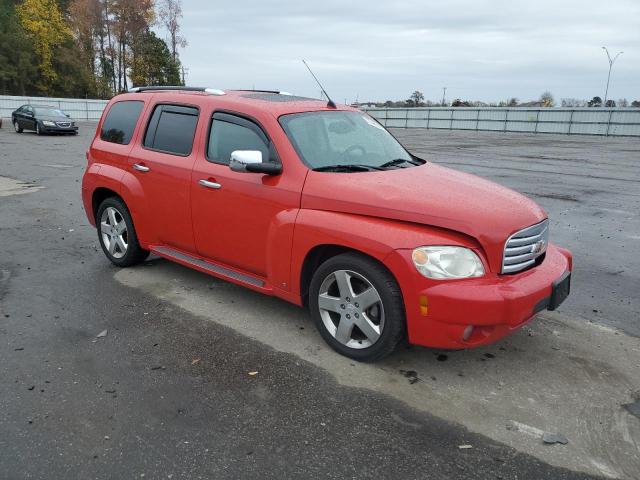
(351, 167)
(399, 161)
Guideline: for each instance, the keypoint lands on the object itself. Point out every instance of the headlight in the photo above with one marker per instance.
(447, 262)
(47, 123)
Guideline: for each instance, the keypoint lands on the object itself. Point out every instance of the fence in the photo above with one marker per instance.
(79, 109)
(570, 121)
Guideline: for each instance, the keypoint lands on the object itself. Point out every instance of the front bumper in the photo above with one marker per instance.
(440, 312)
(56, 129)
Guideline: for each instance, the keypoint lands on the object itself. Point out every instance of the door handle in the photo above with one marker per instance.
(208, 184)
(141, 168)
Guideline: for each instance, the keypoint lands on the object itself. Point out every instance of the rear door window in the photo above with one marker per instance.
(172, 129)
(120, 122)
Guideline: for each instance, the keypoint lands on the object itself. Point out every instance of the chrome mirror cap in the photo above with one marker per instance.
(240, 159)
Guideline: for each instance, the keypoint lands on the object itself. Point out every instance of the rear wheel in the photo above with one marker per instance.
(117, 234)
(357, 307)
(17, 126)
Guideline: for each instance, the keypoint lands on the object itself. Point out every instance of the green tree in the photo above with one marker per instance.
(17, 58)
(153, 62)
(417, 97)
(595, 102)
(73, 77)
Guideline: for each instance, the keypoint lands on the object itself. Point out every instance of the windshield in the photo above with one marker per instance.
(49, 112)
(338, 140)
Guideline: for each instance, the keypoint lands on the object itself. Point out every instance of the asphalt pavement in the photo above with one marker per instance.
(589, 186)
(196, 378)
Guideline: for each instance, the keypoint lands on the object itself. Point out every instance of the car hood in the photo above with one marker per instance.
(428, 195)
(54, 118)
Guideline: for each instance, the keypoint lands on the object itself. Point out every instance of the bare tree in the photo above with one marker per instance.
(170, 13)
(573, 102)
(547, 99)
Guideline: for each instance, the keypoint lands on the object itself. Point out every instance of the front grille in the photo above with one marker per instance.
(525, 247)
(63, 124)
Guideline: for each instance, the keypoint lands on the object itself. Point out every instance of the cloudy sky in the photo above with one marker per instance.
(378, 50)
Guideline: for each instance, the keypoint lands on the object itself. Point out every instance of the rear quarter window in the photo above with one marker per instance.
(120, 122)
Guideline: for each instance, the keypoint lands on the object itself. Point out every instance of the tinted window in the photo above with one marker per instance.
(171, 129)
(225, 137)
(120, 122)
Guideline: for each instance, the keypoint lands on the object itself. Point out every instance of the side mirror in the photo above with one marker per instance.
(29, 114)
(251, 161)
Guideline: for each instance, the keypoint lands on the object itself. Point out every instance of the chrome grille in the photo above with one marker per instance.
(524, 247)
(63, 124)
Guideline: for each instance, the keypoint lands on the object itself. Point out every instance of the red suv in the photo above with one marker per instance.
(320, 206)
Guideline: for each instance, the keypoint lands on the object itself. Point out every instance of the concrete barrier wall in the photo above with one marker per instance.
(569, 121)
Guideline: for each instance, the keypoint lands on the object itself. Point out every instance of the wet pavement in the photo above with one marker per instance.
(170, 391)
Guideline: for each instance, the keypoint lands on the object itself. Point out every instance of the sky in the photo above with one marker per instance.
(380, 50)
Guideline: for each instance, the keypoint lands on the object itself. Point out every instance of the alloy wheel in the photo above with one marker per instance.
(351, 309)
(16, 126)
(114, 232)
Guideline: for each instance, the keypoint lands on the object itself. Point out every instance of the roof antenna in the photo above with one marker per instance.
(330, 103)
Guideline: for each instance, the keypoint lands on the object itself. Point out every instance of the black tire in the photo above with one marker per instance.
(389, 292)
(38, 130)
(17, 127)
(134, 254)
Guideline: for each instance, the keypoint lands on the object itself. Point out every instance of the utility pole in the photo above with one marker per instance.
(444, 92)
(185, 72)
(611, 62)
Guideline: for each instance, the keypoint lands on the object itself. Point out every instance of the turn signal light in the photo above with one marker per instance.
(424, 305)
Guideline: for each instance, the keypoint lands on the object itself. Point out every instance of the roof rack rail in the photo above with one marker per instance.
(279, 92)
(210, 91)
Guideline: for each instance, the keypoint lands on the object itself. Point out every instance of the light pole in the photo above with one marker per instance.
(611, 62)
(444, 92)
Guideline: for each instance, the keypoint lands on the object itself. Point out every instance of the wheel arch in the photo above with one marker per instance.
(320, 254)
(98, 196)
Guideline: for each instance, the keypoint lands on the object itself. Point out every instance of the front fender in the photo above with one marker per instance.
(375, 237)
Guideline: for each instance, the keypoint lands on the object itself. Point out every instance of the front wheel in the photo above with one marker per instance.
(117, 234)
(357, 307)
(38, 131)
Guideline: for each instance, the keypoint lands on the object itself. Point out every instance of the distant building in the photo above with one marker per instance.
(363, 104)
(535, 103)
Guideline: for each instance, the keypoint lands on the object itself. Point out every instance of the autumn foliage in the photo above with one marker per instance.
(88, 48)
